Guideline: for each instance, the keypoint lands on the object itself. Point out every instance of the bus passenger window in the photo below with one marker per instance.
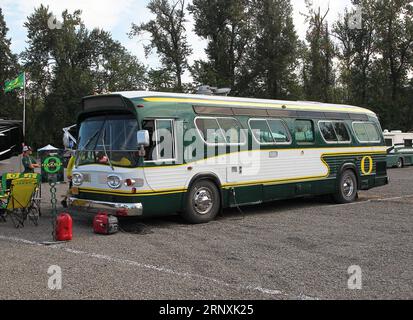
(342, 132)
(151, 149)
(304, 131)
(327, 131)
(334, 131)
(261, 131)
(279, 131)
(210, 130)
(165, 140)
(232, 130)
(162, 140)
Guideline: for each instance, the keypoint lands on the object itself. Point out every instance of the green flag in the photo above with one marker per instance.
(15, 83)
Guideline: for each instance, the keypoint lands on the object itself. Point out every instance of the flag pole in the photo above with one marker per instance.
(24, 104)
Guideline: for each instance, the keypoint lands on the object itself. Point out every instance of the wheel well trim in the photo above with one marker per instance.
(205, 176)
(350, 166)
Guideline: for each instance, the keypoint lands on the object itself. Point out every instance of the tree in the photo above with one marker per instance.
(168, 36)
(113, 67)
(275, 48)
(161, 80)
(228, 28)
(10, 107)
(395, 41)
(67, 64)
(318, 72)
(376, 60)
(356, 52)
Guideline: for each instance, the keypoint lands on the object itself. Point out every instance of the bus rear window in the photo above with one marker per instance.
(366, 132)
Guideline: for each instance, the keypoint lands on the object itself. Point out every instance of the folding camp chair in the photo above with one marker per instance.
(19, 204)
(6, 180)
(5, 185)
(37, 198)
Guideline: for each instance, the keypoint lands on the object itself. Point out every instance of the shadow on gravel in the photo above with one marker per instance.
(142, 226)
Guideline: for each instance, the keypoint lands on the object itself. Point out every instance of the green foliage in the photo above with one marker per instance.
(318, 71)
(10, 106)
(161, 80)
(272, 60)
(67, 64)
(228, 28)
(167, 31)
(252, 47)
(376, 61)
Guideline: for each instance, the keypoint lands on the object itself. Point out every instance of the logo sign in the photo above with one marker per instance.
(367, 165)
(52, 165)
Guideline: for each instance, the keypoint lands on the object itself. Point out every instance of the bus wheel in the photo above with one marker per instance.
(400, 163)
(203, 202)
(347, 188)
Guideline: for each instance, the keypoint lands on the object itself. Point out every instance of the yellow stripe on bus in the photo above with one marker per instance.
(260, 104)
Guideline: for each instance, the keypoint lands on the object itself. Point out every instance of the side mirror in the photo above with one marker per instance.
(143, 138)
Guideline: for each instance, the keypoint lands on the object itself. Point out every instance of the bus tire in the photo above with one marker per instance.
(347, 188)
(400, 163)
(202, 202)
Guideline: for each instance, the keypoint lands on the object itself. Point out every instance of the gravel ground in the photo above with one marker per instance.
(297, 249)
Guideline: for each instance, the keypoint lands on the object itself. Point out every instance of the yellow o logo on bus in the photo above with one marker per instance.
(363, 165)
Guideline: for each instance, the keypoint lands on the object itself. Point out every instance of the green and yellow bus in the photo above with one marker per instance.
(149, 154)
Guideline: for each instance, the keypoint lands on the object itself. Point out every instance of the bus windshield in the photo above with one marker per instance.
(108, 140)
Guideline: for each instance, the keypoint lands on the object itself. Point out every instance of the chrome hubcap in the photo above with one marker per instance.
(203, 201)
(348, 187)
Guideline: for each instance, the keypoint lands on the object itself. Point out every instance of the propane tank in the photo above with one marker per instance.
(64, 226)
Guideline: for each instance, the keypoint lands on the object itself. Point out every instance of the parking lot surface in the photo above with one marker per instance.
(296, 249)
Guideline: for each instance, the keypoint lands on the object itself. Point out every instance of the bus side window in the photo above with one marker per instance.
(162, 140)
(304, 131)
(151, 149)
(165, 139)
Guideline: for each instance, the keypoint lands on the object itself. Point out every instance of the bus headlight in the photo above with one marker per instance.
(77, 179)
(114, 181)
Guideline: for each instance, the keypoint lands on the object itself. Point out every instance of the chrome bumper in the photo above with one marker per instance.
(120, 209)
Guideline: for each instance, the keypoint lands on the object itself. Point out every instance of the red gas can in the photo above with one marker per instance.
(64, 226)
(105, 224)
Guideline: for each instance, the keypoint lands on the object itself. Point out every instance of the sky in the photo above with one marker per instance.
(117, 17)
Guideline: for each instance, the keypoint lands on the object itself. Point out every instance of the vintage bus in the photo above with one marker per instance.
(148, 153)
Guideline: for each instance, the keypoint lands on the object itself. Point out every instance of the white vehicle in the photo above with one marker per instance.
(398, 138)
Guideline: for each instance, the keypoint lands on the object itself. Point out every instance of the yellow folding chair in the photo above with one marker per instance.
(20, 205)
(37, 198)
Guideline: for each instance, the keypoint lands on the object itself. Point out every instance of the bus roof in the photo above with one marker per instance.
(224, 101)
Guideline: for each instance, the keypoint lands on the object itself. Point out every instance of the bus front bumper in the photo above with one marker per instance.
(119, 209)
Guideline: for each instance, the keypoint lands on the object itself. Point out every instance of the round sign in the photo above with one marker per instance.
(52, 165)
